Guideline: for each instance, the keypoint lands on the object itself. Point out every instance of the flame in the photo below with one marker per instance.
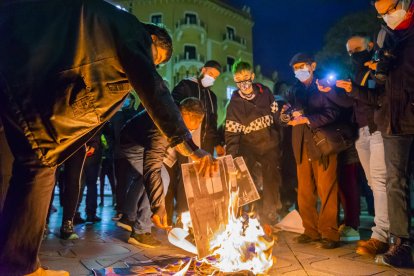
(243, 245)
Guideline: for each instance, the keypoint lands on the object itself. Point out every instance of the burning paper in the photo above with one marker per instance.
(225, 242)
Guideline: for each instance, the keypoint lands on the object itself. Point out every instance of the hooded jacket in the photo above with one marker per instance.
(67, 66)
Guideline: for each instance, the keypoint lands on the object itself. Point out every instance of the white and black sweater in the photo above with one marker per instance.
(251, 124)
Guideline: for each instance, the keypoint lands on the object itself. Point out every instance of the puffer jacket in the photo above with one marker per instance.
(66, 67)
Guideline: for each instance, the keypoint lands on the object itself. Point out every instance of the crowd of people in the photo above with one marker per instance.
(71, 74)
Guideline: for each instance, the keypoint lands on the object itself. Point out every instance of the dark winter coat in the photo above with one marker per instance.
(320, 111)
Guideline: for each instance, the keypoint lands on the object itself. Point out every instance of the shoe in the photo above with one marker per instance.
(329, 244)
(46, 272)
(144, 240)
(348, 234)
(117, 217)
(305, 239)
(67, 232)
(372, 247)
(125, 224)
(93, 218)
(101, 204)
(398, 255)
(77, 219)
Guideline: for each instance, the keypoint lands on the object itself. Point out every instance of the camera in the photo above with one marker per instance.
(287, 115)
(384, 59)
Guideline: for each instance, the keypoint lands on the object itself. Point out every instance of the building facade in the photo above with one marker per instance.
(201, 30)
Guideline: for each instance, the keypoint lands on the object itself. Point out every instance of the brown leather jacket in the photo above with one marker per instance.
(66, 67)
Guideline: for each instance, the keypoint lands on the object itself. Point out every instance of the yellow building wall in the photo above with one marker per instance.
(209, 35)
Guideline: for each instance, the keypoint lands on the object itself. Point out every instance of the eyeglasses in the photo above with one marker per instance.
(393, 8)
(243, 82)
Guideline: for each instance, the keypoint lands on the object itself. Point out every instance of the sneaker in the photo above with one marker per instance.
(117, 217)
(77, 219)
(125, 224)
(371, 247)
(93, 218)
(398, 255)
(329, 244)
(46, 272)
(348, 234)
(144, 240)
(305, 239)
(67, 232)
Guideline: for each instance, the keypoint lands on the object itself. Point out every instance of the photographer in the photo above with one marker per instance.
(317, 175)
(395, 120)
(370, 144)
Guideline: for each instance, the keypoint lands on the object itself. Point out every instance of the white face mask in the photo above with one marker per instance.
(302, 74)
(207, 80)
(394, 19)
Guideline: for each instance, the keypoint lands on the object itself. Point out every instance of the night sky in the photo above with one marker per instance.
(284, 27)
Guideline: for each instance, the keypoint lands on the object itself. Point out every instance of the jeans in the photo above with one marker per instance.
(23, 219)
(370, 149)
(137, 196)
(397, 153)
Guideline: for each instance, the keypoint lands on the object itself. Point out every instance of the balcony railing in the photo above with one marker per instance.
(190, 22)
(186, 57)
(234, 38)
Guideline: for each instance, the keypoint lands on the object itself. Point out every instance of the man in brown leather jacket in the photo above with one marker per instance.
(65, 69)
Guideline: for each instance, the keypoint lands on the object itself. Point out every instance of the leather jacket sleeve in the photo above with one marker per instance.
(136, 58)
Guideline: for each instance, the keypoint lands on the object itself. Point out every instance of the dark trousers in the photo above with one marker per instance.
(349, 193)
(313, 181)
(25, 209)
(123, 179)
(397, 155)
(271, 179)
(71, 183)
(89, 179)
(107, 169)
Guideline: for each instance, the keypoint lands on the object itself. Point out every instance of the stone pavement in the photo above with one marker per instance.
(104, 245)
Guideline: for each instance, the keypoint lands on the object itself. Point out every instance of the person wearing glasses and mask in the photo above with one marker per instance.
(395, 120)
(251, 132)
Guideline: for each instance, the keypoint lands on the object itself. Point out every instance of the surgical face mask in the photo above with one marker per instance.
(302, 74)
(394, 19)
(207, 81)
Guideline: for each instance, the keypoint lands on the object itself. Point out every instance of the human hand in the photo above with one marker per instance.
(344, 84)
(89, 151)
(207, 164)
(220, 150)
(299, 121)
(323, 89)
(371, 65)
(160, 220)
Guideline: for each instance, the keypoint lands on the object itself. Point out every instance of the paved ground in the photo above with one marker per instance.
(104, 245)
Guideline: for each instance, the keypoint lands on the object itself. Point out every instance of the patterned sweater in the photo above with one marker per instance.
(251, 124)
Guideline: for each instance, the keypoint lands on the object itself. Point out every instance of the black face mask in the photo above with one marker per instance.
(359, 58)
